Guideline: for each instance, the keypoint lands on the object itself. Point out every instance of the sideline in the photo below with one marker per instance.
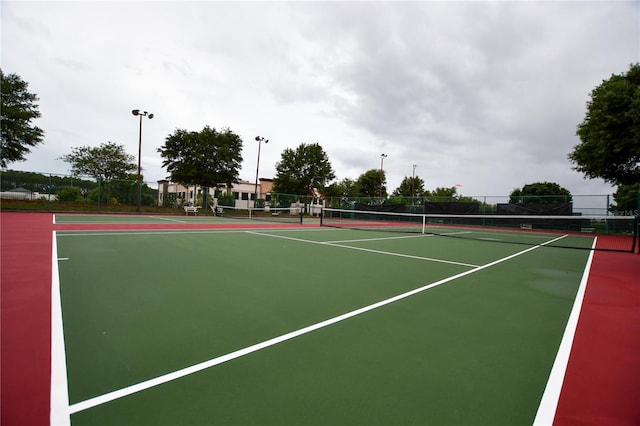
(59, 414)
(129, 390)
(551, 396)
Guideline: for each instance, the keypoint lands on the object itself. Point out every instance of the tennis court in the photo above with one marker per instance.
(305, 324)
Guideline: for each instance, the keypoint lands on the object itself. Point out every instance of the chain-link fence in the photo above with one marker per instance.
(53, 192)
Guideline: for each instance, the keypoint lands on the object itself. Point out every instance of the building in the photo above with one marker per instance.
(244, 193)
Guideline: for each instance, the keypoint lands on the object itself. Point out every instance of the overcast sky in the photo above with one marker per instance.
(484, 94)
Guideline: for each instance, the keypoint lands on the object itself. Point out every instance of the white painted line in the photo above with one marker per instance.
(59, 412)
(135, 233)
(167, 219)
(388, 253)
(549, 403)
(111, 396)
(403, 237)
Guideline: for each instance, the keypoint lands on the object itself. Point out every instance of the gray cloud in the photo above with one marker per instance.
(487, 94)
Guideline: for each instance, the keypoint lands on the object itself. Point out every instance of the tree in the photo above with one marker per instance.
(69, 194)
(626, 198)
(206, 158)
(346, 188)
(540, 192)
(610, 133)
(17, 109)
(105, 163)
(372, 183)
(306, 165)
(444, 192)
(410, 186)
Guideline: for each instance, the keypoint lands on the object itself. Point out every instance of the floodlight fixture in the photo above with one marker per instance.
(259, 139)
(150, 116)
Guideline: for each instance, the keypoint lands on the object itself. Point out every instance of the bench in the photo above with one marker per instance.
(217, 211)
(588, 230)
(526, 226)
(190, 209)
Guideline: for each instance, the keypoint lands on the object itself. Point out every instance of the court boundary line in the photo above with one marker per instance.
(165, 378)
(389, 253)
(59, 394)
(551, 396)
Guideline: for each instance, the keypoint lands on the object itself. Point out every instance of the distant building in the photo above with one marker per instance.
(244, 192)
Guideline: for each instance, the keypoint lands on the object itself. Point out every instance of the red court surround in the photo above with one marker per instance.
(601, 387)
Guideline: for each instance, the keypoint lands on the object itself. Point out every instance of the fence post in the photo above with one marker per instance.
(99, 193)
(49, 194)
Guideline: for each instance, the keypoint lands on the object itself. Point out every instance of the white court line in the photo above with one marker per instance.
(397, 238)
(549, 402)
(168, 219)
(403, 237)
(129, 390)
(163, 232)
(388, 253)
(59, 394)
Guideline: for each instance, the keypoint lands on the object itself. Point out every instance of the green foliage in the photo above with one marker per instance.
(610, 133)
(306, 165)
(226, 199)
(344, 188)
(38, 182)
(205, 158)
(170, 199)
(410, 186)
(69, 194)
(372, 183)
(18, 108)
(540, 192)
(444, 192)
(626, 198)
(106, 162)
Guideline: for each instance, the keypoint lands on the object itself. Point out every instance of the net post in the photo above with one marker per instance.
(424, 223)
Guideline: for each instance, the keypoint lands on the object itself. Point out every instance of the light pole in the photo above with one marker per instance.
(413, 184)
(141, 114)
(382, 157)
(259, 139)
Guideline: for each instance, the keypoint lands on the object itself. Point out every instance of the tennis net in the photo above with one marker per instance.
(617, 233)
(280, 214)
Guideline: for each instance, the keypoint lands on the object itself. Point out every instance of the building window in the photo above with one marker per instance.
(245, 196)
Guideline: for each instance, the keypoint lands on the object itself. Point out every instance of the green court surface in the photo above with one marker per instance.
(309, 326)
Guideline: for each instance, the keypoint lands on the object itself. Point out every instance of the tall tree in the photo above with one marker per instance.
(444, 192)
(307, 165)
(18, 108)
(106, 162)
(410, 186)
(206, 158)
(627, 200)
(344, 188)
(609, 145)
(540, 192)
(372, 183)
